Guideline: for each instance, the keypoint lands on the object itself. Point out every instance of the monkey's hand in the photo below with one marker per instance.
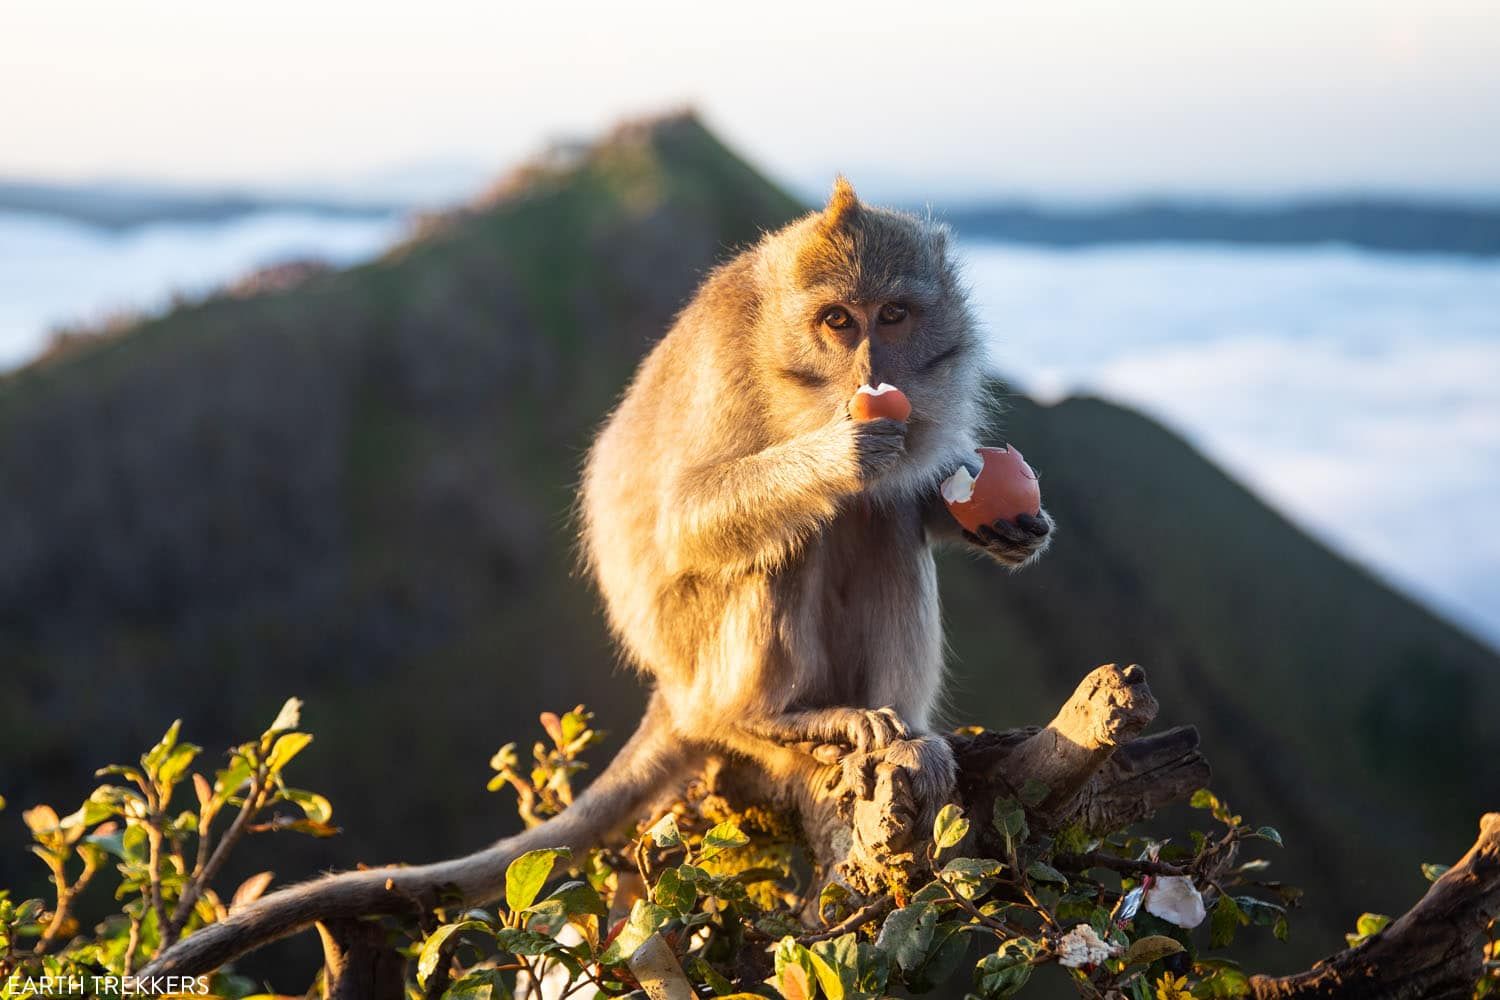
(877, 446)
(831, 733)
(1014, 543)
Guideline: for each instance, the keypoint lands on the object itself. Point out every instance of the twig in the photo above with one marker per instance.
(873, 910)
(190, 893)
(154, 818)
(66, 894)
(131, 945)
(1095, 859)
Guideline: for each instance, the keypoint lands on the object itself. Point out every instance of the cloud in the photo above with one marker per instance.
(1354, 391)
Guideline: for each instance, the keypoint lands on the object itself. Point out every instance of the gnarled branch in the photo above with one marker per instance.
(1434, 952)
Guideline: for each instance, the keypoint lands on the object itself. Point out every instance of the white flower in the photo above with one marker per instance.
(1173, 899)
(1082, 946)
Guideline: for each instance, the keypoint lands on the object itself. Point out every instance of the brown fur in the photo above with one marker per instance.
(763, 556)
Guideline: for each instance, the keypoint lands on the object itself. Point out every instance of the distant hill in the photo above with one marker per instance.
(1376, 224)
(356, 491)
(122, 205)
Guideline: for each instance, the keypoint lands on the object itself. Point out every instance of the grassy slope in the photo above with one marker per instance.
(357, 492)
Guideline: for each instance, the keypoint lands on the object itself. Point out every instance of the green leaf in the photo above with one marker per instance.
(314, 806)
(1204, 799)
(1270, 833)
(1223, 982)
(795, 969)
(664, 832)
(949, 827)
(176, 763)
(1153, 948)
(972, 868)
(432, 948)
(230, 780)
(289, 718)
(1010, 820)
(844, 965)
(721, 838)
(1432, 872)
(153, 758)
(579, 899)
(1034, 792)
(1007, 970)
(1260, 912)
(1366, 927)
(907, 934)
(113, 842)
(1227, 917)
(932, 892)
(794, 982)
(949, 946)
(720, 986)
(674, 892)
(827, 974)
(1040, 871)
(970, 877)
(480, 985)
(645, 920)
(286, 747)
(528, 873)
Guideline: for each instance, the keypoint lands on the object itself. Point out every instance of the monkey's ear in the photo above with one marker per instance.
(843, 204)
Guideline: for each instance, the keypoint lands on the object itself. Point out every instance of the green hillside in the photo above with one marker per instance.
(357, 491)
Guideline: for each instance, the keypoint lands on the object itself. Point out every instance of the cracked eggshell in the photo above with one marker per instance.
(1005, 488)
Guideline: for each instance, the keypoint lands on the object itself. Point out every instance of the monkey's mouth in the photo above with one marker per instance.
(881, 401)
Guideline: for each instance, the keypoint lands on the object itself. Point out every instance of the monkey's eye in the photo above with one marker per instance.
(838, 318)
(892, 312)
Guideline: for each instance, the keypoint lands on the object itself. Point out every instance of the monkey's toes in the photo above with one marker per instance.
(931, 772)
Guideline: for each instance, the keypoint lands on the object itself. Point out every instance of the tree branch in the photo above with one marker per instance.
(1434, 952)
(359, 963)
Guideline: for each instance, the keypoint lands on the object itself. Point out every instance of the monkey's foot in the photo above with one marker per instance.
(889, 798)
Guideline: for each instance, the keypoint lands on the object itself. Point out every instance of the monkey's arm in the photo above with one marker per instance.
(756, 511)
(1012, 543)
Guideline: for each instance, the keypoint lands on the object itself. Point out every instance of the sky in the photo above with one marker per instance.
(1075, 100)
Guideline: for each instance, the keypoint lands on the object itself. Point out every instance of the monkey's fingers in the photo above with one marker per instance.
(1005, 533)
(1037, 527)
(857, 775)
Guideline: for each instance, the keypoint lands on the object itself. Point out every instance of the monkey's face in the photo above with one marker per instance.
(859, 295)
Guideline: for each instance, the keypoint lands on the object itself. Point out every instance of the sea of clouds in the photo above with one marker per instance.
(54, 271)
(1357, 392)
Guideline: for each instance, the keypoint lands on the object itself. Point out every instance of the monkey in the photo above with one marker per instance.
(764, 558)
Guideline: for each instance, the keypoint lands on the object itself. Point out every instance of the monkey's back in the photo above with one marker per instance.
(686, 406)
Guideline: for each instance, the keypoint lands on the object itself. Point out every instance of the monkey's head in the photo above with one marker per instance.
(856, 295)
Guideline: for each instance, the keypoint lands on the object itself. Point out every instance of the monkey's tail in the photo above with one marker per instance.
(647, 761)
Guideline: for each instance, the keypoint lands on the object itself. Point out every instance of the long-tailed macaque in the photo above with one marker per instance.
(763, 557)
